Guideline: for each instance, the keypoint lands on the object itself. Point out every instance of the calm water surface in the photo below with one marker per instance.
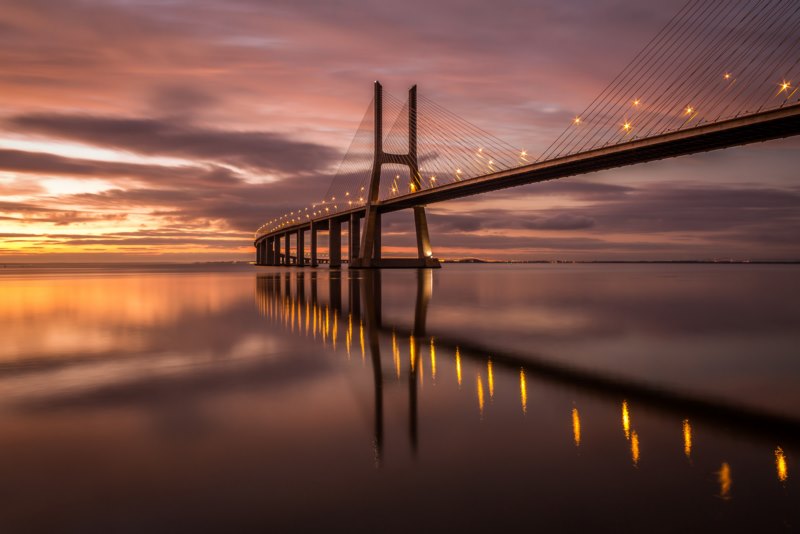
(554, 398)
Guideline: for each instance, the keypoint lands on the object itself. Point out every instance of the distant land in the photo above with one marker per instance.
(759, 262)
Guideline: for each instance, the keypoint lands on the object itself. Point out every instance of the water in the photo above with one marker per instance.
(479, 397)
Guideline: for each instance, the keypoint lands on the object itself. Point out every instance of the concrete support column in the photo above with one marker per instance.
(301, 248)
(277, 250)
(376, 247)
(287, 247)
(335, 244)
(355, 236)
(270, 244)
(313, 244)
(259, 259)
(424, 249)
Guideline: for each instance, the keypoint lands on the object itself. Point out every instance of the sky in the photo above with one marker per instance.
(170, 130)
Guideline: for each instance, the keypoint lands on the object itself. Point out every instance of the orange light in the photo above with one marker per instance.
(576, 120)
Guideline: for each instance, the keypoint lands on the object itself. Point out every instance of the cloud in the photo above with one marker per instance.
(260, 151)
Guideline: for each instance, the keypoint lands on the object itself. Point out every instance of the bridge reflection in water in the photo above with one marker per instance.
(294, 300)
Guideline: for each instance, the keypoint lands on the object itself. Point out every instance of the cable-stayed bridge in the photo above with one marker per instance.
(719, 74)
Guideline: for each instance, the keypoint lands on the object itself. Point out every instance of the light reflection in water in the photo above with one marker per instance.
(480, 394)
(396, 353)
(315, 321)
(412, 354)
(327, 323)
(490, 378)
(725, 482)
(361, 340)
(335, 329)
(433, 362)
(348, 338)
(626, 420)
(421, 361)
(458, 366)
(687, 438)
(780, 465)
(286, 310)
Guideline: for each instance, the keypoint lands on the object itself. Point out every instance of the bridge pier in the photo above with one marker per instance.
(335, 243)
(354, 232)
(301, 247)
(269, 244)
(287, 256)
(314, 227)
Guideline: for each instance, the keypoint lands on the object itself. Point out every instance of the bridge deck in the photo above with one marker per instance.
(763, 126)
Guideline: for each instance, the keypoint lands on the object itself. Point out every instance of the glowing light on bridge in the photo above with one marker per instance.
(576, 427)
(725, 481)
(726, 76)
(780, 465)
(687, 438)
(689, 110)
(626, 126)
(636, 103)
(784, 86)
(576, 120)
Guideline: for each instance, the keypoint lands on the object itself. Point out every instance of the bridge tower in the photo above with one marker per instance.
(370, 250)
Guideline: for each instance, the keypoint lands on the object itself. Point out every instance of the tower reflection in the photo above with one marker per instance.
(304, 306)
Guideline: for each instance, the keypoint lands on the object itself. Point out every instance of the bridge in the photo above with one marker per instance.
(717, 75)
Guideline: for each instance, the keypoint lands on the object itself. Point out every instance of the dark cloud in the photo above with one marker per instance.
(488, 220)
(176, 100)
(22, 212)
(42, 163)
(261, 151)
(663, 209)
